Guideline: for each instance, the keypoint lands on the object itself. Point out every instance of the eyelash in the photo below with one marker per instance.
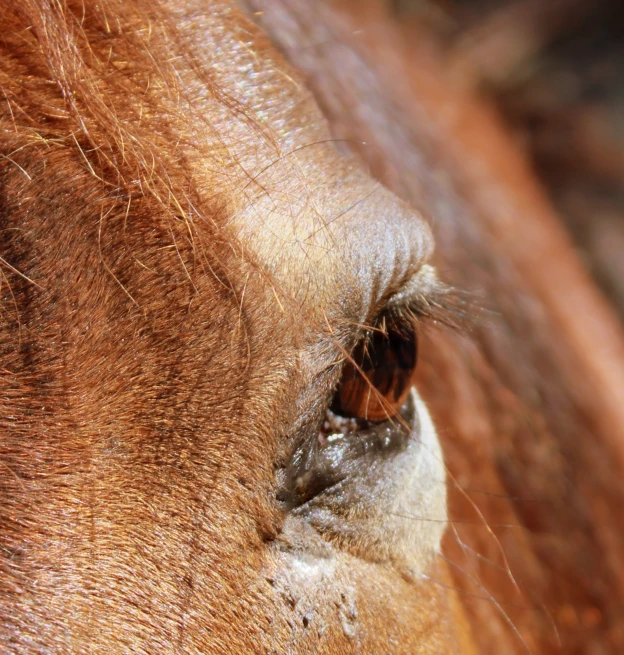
(372, 413)
(378, 374)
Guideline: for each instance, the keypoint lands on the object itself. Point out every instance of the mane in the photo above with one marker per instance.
(104, 97)
(84, 77)
(102, 84)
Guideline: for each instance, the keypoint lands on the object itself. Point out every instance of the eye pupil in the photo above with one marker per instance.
(375, 384)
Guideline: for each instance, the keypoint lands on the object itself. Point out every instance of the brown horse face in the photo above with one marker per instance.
(188, 269)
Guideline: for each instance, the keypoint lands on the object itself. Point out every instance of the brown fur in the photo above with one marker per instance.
(162, 345)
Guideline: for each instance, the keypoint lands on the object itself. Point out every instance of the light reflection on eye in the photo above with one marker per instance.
(376, 380)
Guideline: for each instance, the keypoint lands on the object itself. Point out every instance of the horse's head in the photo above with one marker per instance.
(212, 438)
(211, 442)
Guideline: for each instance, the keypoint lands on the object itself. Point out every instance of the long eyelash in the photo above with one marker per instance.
(427, 300)
(439, 305)
(443, 305)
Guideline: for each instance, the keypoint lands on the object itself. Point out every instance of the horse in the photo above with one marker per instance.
(227, 336)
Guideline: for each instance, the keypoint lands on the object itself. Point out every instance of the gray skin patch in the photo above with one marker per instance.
(378, 494)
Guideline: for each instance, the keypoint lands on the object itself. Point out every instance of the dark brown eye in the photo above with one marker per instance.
(375, 384)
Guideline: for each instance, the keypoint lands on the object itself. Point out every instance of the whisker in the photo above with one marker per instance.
(414, 517)
(496, 540)
(515, 499)
(472, 594)
(495, 602)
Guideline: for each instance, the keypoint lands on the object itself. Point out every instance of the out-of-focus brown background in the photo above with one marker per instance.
(554, 69)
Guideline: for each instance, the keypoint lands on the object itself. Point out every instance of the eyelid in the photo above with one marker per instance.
(425, 297)
(417, 289)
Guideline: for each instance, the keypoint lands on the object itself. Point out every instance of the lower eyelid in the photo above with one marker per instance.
(347, 455)
(366, 509)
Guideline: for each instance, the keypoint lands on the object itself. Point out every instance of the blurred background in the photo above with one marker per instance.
(554, 69)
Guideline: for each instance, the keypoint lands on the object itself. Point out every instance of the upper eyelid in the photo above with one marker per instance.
(425, 297)
(414, 299)
(424, 284)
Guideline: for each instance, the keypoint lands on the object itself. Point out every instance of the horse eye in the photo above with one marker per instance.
(377, 379)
